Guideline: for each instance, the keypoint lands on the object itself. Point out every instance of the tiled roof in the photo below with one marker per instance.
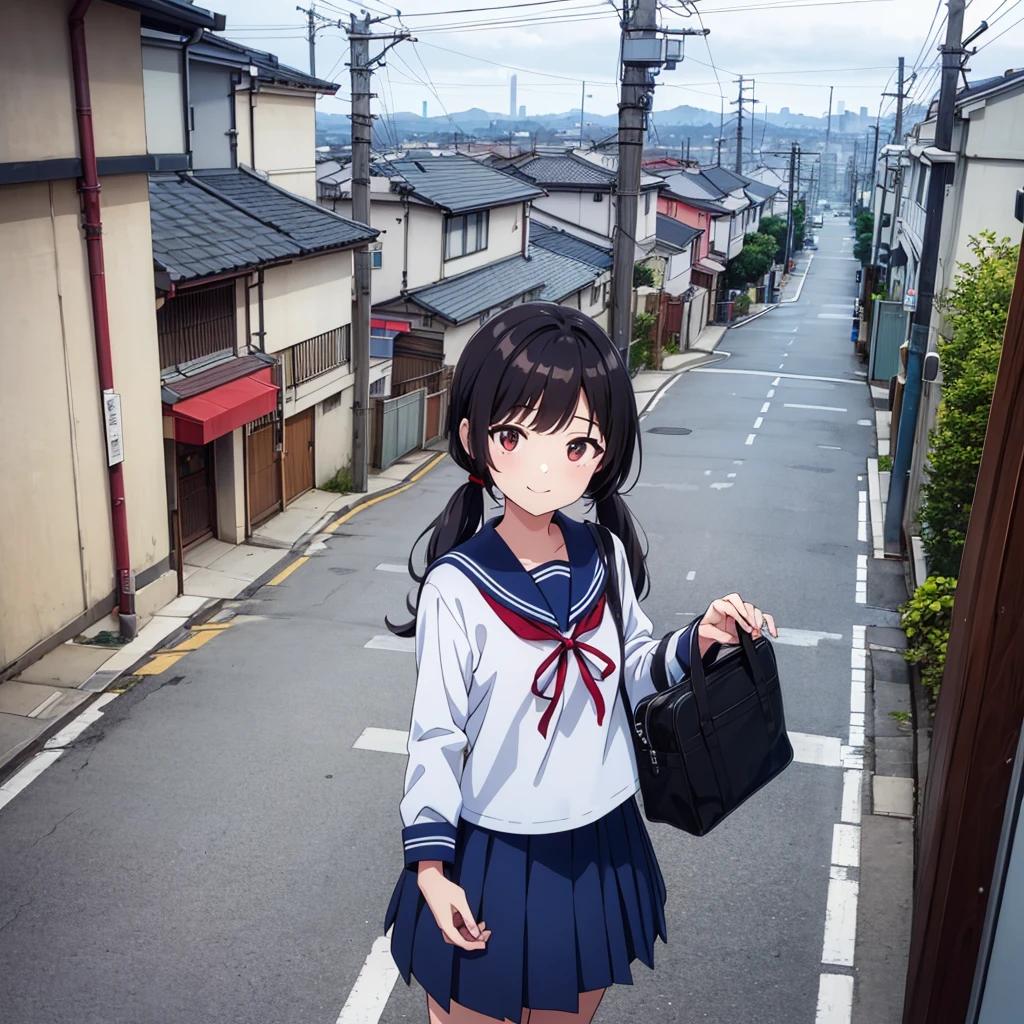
(178, 386)
(461, 298)
(761, 190)
(459, 183)
(224, 221)
(567, 171)
(269, 67)
(675, 232)
(724, 179)
(694, 186)
(569, 245)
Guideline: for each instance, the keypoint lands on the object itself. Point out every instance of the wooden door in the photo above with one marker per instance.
(298, 454)
(264, 475)
(195, 492)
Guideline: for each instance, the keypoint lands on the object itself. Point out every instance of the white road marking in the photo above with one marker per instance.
(54, 698)
(385, 741)
(821, 750)
(846, 844)
(781, 365)
(864, 423)
(861, 591)
(369, 995)
(764, 408)
(771, 393)
(804, 637)
(707, 472)
(851, 797)
(730, 475)
(750, 438)
(758, 422)
(840, 923)
(831, 447)
(835, 999)
(817, 408)
(788, 343)
(392, 567)
(862, 528)
(720, 486)
(777, 376)
(691, 574)
(390, 642)
(52, 750)
(835, 316)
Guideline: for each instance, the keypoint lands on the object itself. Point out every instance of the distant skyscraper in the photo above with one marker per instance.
(864, 112)
(841, 109)
(424, 108)
(522, 111)
(512, 98)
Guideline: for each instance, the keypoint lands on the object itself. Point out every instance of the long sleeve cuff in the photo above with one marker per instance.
(429, 841)
(682, 652)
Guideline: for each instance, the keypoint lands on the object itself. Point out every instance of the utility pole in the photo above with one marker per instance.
(828, 127)
(315, 22)
(789, 223)
(897, 175)
(739, 101)
(361, 68)
(941, 176)
(645, 50)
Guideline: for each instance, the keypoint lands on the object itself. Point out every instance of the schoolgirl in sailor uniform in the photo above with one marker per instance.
(530, 883)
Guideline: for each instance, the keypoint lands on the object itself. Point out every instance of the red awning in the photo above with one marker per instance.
(391, 325)
(214, 413)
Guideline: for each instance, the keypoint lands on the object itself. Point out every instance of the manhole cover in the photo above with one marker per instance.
(669, 430)
(339, 571)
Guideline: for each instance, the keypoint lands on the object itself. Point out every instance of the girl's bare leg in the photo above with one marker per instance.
(589, 1002)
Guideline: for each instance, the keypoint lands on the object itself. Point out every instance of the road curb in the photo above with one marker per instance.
(754, 316)
(800, 290)
(203, 615)
(669, 381)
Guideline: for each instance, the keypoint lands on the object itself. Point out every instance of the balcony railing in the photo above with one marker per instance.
(317, 356)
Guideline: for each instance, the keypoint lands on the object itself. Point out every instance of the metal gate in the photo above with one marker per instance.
(436, 418)
(888, 332)
(399, 427)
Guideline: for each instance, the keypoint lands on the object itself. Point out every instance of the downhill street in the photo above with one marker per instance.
(218, 849)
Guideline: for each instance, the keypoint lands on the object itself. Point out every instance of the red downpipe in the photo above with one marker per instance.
(89, 189)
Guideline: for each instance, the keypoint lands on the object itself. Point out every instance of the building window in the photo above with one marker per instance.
(597, 197)
(647, 203)
(922, 177)
(428, 320)
(316, 356)
(196, 323)
(377, 259)
(378, 388)
(465, 234)
(595, 294)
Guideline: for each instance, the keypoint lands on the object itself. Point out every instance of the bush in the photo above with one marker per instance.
(776, 227)
(641, 350)
(926, 619)
(741, 304)
(643, 276)
(753, 261)
(340, 483)
(975, 309)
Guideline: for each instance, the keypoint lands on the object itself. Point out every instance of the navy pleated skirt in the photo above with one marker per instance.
(568, 913)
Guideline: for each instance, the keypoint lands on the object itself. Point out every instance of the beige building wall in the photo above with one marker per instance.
(333, 435)
(56, 559)
(285, 131)
(504, 238)
(306, 298)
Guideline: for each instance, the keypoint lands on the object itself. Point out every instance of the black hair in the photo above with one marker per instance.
(537, 356)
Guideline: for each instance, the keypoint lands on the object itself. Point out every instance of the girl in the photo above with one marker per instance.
(531, 884)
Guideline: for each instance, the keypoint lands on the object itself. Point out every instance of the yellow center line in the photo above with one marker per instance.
(287, 571)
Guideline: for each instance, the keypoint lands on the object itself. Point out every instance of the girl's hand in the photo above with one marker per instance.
(725, 616)
(448, 904)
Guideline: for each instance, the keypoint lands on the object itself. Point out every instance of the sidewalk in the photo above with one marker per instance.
(647, 383)
(39, 702)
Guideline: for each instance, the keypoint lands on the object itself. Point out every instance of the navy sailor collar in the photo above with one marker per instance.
(489, 562)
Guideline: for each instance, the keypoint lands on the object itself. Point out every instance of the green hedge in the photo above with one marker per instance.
(975, 310)
(926, 619)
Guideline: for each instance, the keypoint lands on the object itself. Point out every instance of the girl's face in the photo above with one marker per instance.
(543, 472)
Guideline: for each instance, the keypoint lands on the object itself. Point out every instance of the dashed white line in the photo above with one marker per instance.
(764, 408)
(862, 528)
(851, 797)
(835, 999)
(392, 567)
(750, 438)
(390, 642)
(821, 750)
(846, 844)
(840, 923)
(775, 383)
(691, 574)
(771, 393)
(758, 422)
(817, 408)
(385, 741)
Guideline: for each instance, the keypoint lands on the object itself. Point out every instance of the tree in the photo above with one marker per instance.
(975, 309)
(776, 227)
(643, 276)
(865, 232)
(753, 261)
(799, 226)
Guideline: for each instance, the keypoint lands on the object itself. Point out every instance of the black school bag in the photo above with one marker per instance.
(703, 747)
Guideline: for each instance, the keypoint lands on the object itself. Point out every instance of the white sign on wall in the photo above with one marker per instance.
(112, 419)
(910, 300)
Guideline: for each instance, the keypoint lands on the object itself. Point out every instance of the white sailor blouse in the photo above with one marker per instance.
(515, 722)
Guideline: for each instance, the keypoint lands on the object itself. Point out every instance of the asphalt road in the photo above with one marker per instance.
(215, 849)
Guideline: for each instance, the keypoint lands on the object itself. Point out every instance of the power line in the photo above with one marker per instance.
(478, 10)
(1005, 30)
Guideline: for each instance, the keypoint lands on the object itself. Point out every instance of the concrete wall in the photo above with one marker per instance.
(37, 105)
(504, 238)
(695, 218)
(333, 433)
(306, 298)
(285, 129)
(229, 466)
(56, 558)
(596, 218)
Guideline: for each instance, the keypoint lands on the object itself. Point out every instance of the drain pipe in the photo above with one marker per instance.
(89, 189)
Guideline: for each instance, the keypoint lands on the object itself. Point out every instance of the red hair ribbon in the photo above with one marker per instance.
(476, 480)
(527, 629)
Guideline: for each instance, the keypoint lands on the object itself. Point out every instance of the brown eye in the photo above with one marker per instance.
(508, 438)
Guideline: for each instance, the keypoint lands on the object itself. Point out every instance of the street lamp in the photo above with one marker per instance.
(584, 95)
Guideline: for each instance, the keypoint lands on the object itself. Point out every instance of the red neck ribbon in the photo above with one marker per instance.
(528, 629)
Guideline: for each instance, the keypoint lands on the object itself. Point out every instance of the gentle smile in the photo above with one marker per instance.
(535, 491)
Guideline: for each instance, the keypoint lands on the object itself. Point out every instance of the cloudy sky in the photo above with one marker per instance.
(793, 49)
